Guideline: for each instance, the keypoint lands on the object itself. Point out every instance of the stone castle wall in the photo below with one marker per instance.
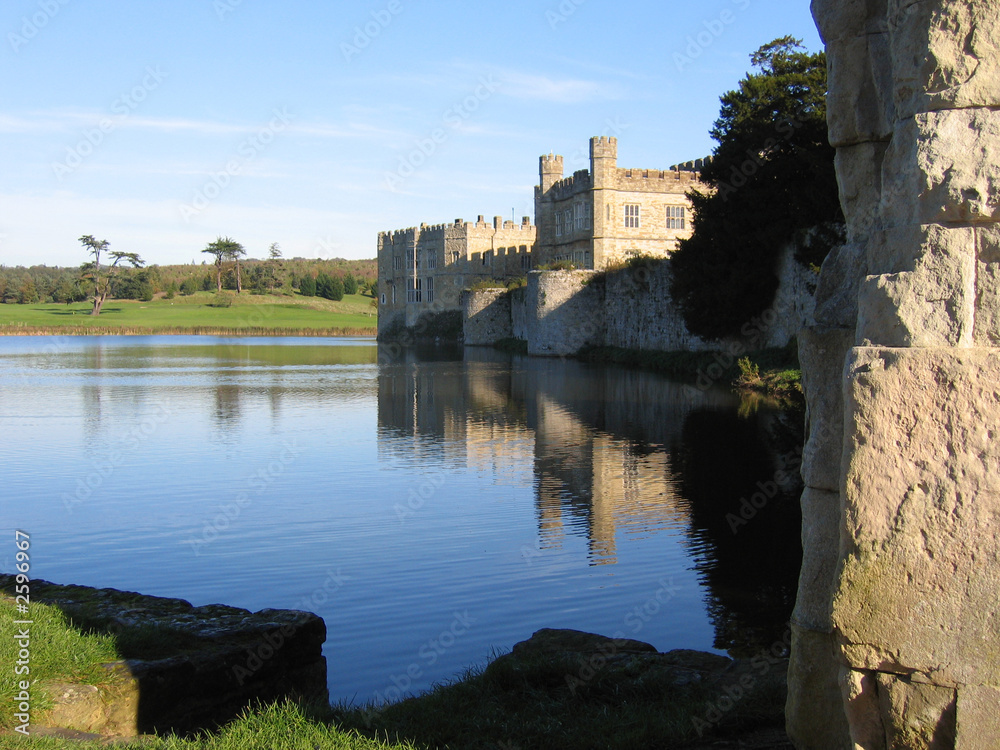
(487, 316)
(561, 311)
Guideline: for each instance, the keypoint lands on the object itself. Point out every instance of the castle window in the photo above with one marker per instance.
(559, 227)
(488, 258)
(429, 289)
(383, 298)
(432, 259)
(587, 213)
(631, 215)
(413, 290)
(397, 263)
(579, 223)
(676, 217)
(568, 220)
(525, 262)
(456, 256)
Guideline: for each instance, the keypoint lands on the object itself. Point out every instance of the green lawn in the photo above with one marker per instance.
(249, 314)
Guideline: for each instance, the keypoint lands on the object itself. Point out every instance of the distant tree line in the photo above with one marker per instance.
(39, 284)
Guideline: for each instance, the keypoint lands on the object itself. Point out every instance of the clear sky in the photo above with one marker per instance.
(161, 125)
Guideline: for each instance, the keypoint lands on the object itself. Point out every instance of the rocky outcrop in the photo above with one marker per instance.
(186, 668)
(896, 637)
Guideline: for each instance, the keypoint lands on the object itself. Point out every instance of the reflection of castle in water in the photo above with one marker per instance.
(598, 460)
(613, 452)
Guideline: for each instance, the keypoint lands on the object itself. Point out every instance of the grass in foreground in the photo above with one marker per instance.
(525, 704)
(531, 705)
(247, 314)
(59, 652)
(277, 727)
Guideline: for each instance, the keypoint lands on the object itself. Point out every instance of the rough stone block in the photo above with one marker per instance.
(859, 102)
(861, 703)
(815, 718)
(944, 55)
(822, 353)
(978, 717)
(821, 512)
(837, 19)
(916, 716)
(922, 505)
(859, 174)
(943, 167)
(837, 288)
(987, 332)
(922, 292)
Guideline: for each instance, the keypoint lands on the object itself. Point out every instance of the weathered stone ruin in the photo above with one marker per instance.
(199, 667)
(896, 628)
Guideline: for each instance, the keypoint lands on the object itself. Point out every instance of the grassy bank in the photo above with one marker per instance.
(771, 372)
(200, 313)
(523, 704)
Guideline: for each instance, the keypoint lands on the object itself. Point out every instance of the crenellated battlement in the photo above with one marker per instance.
(552, 163)
(662, 176)
(604, 147)
(430, 232)
(579, 182)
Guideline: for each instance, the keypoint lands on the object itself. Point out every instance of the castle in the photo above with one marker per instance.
(594, 219)
(423, 270)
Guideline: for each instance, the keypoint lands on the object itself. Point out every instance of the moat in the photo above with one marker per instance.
(432, 505)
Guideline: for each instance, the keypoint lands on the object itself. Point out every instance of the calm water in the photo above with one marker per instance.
(432, 506)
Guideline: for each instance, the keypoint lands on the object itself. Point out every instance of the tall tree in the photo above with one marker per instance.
(225, 249)
(274, 268)
(100, 275)
(217, 250)
(773, 182)
(234, 252)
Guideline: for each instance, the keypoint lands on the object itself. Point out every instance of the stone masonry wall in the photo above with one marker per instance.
(487, 316)
(896, 636)
(560, 311)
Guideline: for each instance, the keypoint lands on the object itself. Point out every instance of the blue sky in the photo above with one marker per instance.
(160, 125)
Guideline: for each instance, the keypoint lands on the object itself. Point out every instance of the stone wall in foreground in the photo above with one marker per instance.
(896, 632)
(210, 663)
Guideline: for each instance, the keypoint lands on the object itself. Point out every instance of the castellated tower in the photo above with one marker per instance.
(604, 216)
(550, 171)
(603, 160)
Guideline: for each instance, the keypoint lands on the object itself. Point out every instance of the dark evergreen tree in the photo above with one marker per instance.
(773, 182)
